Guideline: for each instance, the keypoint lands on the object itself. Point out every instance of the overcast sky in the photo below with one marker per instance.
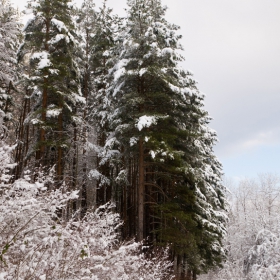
(232, 47)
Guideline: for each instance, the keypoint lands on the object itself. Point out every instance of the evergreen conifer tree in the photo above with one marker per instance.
(54, 78)
(101, 56)
(86, 18)
(160, 129)
(9, 38)
(97, 31)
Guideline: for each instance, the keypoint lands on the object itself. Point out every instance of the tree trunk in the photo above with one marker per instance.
(7, 101)
(40, 157)
(74, 166)
(60, 150)
(42, 137)
(141, 190)
(84, 191)
(194, 275)
(20, 146)
(189, 275)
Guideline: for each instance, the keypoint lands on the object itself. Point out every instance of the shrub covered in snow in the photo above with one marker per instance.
(37, 243)
(263, 260)
(5, 152)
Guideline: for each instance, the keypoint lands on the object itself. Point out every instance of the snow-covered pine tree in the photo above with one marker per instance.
(54, 76)
(142, 90)
(85, 25)
(9, 42)
(97, 31)
(102, 54)
(159, 124)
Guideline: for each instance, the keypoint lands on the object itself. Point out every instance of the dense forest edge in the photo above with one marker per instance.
(107, 165)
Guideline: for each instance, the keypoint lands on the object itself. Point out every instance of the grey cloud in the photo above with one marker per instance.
(233, 49)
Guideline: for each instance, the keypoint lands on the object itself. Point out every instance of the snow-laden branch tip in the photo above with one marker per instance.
(43, 59)
(146, 121)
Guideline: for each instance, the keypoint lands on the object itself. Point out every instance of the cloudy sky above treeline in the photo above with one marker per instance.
(232, 47)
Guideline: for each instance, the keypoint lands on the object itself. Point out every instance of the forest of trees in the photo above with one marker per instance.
(104, 140)
(253, 238)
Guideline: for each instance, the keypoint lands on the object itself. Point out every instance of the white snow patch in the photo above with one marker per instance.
(53, 112)
(54, 71)
(146, 121)
(153, 154)
(133, 141)
(106, 54)
(59, 24)
(119, 73)
(166, 51)
(43, 58)
(142, 71)
(58, 38)
(28, 19)
(94, 174)
(3, 275)
(36, 121)
(120, 68)
(154, 45)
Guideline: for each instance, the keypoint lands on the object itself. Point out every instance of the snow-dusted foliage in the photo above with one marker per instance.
(36, 242)
(52, 81)
(98, 29)
(6, 163)
(263, 259)
(101, 56)
(9, 32)
(252, 242)
(9, 41)
(6, 150)
(50, 38)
